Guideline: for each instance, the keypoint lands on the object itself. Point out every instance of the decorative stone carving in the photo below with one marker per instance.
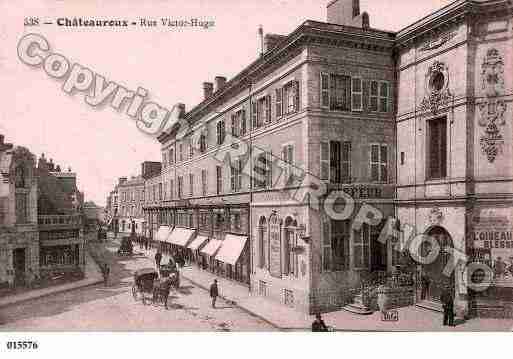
(437, 88)
(437, 41)
(492, 110)
(436, 216)
(492, 73)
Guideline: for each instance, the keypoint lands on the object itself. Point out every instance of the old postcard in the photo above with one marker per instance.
(256, 166)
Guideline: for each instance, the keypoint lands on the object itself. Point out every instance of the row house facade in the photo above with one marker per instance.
(131, 194)
(415, 125)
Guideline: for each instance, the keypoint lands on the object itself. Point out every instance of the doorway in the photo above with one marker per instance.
(19, 266)
(434, 280)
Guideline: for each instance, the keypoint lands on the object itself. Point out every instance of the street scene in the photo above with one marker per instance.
(332, 170)
(113, 308)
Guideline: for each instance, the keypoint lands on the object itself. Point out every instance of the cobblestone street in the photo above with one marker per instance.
(112, 308)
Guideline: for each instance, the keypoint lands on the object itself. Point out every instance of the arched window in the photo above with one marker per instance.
(19, 176)
(263, 243)
(289, 243)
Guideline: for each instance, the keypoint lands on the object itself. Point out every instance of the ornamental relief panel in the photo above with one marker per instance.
(437, 93)
(493, 108)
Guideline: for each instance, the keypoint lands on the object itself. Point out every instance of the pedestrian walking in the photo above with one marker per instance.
(425, 283)
(158, 258)
(214, 293)
(105, 273)
(448, 305)
(318, 324)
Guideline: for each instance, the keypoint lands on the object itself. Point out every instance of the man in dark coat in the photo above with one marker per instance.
(105, 273)
(425, 283)
(214, 293)
(318, 324)
(158, 258)
(448, 305)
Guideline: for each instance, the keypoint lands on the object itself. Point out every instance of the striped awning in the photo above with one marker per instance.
(231, 249)
(197, 242)
(163, 234)
(212, 247)
(181, 236)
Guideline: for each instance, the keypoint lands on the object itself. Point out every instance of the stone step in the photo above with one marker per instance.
(430, 305)
(357, 309)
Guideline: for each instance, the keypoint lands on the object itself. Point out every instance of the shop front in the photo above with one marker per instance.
(233, 256)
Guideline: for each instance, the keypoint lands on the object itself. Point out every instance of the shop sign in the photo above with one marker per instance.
(492, 239)
(275, 246)
(362, 191)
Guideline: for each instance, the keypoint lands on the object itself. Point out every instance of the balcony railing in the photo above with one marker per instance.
(59, 221)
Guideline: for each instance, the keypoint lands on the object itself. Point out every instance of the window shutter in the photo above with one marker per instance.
(239, 173)
(296, 95)
(269, 169)
(279, 102)
(325, 90)
(268, 106)
(374, 160)
(243, 123)
(254, 114)
(325, 160)
(234, 131)
(232, 178)
(383, 164)
(346, 161)
(365, 95)
(356, 91)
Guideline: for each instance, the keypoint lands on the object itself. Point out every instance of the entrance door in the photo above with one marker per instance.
(436, 280)
(19, 266)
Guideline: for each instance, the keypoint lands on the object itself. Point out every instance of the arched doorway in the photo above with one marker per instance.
(263, 244)
(432, 277)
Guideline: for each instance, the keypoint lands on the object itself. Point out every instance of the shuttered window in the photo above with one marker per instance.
(437, 148)
(204, 182)
(357, 94)
(219, 179)
(325, 161)
(346, 162)
(325, 90)
(288, 168)
(361, 247)
(340, 92)
(279, 102)
(374, 95)
(379, 163)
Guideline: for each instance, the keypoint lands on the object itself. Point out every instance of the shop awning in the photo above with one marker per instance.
(197, 242)
(212, 247)
(181, 236)
(232, 249)
(163, 233)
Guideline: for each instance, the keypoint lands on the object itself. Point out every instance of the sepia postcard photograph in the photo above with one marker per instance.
(255, 166)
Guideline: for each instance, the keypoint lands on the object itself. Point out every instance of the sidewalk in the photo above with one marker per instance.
(92, 276)
(410, 318)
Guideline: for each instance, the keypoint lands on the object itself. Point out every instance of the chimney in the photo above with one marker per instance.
(122, 180)
(4, 146)
(346, 12)
(271, 40)
(220, 82)
(208, 89)
(261, 38)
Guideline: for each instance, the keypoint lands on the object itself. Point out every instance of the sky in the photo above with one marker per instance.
(102, 144)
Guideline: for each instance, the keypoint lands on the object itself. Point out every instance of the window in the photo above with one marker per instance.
(263, 243)
(191, 184)
(236, 176)
(204, 182)
(203, 143)
(291, 97)
(239, 123)
(340, 93)
(379, 96)
(279, 102)
(325, 90)
(254, 115)
(290, 242)
(21, 208)
(219, 179)
(288, 158)
(180, 187)
(374, 95)
(235, 223)
(336, 236)
(164, 159)
(171, 189)
(191, 150)
(357, 94)
(362, 240)
(221, 134)
(383, 97)
(335, 161)
(19, 177)
(346, 162)
(437, 148)
(379, 163)
(160, 191)
(263, 111)
(263, 170)
(180, 151)
(403, 158)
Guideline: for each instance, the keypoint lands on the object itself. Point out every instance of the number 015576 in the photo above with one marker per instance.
(22, 345)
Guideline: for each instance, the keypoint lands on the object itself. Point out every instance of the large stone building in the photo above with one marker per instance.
(454, 144)
(414, 125)
(19, 236)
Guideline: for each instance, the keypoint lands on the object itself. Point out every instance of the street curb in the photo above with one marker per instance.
(249, 311)
(51, 293)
